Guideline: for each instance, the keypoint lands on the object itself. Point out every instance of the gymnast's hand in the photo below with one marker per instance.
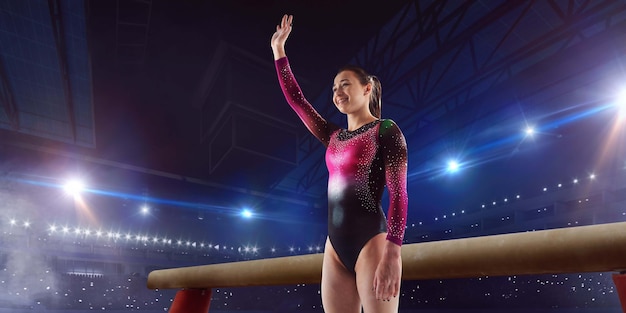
(280, 36)
(388, 273)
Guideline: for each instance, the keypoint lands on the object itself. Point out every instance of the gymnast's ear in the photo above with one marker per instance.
(368, 89)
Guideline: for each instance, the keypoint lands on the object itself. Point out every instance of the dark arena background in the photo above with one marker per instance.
(138, 135)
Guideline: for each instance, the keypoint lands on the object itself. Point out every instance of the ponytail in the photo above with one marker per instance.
(376, 100)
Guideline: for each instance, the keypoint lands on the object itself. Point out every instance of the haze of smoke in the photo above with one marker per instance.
(25, 274)
(27, 278)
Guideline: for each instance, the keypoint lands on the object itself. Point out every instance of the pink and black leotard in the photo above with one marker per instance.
(360, 163)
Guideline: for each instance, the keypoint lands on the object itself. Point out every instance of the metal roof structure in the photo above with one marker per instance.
(45, 71)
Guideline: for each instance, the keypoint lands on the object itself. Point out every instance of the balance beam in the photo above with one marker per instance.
(594, 248)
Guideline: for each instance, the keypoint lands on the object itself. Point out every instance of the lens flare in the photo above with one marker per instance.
(74, 187)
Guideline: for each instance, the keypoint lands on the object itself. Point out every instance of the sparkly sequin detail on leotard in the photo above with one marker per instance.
(360, 163)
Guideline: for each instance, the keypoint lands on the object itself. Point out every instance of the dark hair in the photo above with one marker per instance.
(377, 89)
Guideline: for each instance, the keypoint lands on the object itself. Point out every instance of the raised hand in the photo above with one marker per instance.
(280, 36)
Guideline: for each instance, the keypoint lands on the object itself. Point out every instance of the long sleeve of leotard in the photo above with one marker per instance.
(394, 151)
(316, 124)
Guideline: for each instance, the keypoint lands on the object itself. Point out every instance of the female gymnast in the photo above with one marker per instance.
(362, 265)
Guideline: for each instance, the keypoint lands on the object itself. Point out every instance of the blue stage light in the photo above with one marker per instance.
(246, 213)
(453, 166)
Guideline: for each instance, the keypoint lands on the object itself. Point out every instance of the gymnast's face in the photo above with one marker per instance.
(349, 95)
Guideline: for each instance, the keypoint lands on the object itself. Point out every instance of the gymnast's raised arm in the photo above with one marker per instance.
(316, 124)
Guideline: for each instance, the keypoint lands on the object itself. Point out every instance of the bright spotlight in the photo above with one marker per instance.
(145, 210)
(74, 187)
(246, 213)
(453, 166)
(529, 131)
(621, 103)
(621, 98)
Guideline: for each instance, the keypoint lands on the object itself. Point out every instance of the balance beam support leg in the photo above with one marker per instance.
(620, 285)
(191, 301)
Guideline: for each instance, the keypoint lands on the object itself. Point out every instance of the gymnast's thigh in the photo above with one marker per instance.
(339, 292)
(365, 269)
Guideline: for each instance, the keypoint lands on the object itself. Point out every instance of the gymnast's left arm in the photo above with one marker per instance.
(389, 272)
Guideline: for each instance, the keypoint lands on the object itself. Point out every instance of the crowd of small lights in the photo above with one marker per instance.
(508, 199)
(84, 234)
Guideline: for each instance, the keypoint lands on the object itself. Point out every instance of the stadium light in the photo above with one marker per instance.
(621, 103)
(246, 213)
(74, 187)
(453, 166)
